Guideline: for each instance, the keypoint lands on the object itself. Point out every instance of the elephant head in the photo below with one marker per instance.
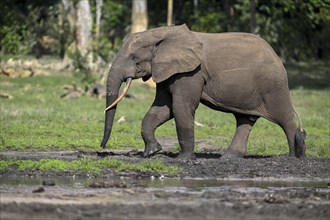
(158, 53)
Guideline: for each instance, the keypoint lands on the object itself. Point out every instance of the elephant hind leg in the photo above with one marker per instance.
(238, 146)
(296, 136)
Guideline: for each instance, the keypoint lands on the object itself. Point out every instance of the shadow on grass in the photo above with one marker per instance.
(313, 75)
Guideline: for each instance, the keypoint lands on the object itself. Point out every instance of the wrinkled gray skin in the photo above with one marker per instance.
(237, 73)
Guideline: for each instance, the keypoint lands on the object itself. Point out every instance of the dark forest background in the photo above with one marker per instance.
(298, 30)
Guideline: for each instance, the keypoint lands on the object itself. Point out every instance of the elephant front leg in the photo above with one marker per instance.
(184, 113)
(186, 140)
(159, 113)
(150, 122)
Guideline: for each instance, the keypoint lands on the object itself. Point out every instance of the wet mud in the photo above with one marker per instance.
(254, 187)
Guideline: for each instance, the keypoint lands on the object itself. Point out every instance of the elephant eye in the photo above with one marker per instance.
(135, 58)
(138, 67)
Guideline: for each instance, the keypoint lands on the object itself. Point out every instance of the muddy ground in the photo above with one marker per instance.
(254, 187)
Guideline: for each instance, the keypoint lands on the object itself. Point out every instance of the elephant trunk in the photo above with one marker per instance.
(109, 117)
(113, 86)
(111, 103)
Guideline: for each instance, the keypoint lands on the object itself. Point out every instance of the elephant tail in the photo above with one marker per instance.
(300, 136)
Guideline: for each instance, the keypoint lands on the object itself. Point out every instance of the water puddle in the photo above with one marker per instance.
(186, 183)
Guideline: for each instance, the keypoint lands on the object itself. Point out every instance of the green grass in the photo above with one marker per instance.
(85, 165)
(37, 119)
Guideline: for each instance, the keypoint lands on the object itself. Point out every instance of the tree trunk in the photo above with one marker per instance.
(83, 26)
(99, 4)
(169, 12)
(139, 16)
(71, 15)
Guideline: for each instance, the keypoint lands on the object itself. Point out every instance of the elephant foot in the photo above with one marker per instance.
(291, 154)
(231, 154)
(151, 149)
(186, 156)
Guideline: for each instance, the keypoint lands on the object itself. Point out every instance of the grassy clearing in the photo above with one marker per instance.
(85, 165)
(37, 119)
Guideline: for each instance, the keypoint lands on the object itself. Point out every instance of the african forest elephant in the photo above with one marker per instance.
(237, 73)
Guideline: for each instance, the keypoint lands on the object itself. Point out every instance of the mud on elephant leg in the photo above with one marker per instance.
(238, 146)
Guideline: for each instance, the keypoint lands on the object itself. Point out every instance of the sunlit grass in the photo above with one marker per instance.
(85, 165)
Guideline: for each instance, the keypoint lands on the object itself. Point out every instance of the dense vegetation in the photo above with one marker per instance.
(297, 30)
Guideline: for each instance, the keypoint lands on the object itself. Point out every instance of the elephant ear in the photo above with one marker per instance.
(178, 51)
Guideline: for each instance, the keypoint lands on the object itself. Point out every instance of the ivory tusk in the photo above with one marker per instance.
(122, 95)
